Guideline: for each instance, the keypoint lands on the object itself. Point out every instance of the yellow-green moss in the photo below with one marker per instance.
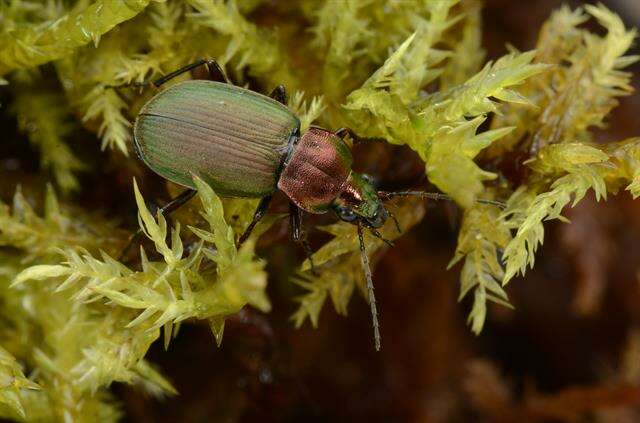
(78, 319)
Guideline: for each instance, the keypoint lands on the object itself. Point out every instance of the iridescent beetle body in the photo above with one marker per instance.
(245, 144)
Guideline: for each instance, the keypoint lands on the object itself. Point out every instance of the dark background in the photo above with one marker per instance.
(570, 351)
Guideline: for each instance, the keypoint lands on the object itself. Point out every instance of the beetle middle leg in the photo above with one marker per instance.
(177, 202)
(297, 233)
(165, 211)
(257, 216)
(279, 94)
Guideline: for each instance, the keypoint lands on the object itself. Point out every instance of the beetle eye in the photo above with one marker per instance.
(347, 215)
(379, 217)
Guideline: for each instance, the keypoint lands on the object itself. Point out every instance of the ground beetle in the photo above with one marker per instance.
(245, 144)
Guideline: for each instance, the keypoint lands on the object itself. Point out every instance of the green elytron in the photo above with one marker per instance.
(233, 138)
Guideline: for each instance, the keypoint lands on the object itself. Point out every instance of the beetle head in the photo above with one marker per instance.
(359, 203)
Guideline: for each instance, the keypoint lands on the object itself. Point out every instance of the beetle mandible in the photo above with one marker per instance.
(245, 144)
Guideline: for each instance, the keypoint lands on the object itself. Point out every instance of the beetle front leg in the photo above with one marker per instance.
(260, 212)
(298, 235)
(279, 94)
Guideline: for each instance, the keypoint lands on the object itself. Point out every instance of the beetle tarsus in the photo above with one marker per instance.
(309, 252)
(257, 216)
(298, 235)
(372, 298)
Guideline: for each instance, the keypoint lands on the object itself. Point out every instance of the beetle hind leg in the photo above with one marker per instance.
(279, 94)
(165, 211)
(216, 73)
(214, 70)
(177, 202)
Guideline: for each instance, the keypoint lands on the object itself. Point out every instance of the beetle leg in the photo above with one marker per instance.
(279, 94)
(298, 235)
(134, 237)
(378, 235)
(215, 72)
(213, 68)
(343, 132)
(165, 211)
(260, 212)
(395, 220)
(177, 202)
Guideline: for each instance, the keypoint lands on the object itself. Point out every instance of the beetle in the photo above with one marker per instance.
(245, 144)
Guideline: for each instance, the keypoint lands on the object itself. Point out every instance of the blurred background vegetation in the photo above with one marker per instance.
(569, 350)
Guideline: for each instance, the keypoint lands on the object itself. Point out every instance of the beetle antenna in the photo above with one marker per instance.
(434, 196)
(378, 235)
(395, 220)
(372, 298)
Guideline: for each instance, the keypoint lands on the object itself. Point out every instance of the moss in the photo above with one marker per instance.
(79, 318)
